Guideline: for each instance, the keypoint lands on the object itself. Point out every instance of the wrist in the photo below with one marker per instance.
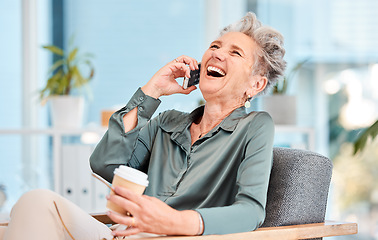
(191, 223)
(151, 91)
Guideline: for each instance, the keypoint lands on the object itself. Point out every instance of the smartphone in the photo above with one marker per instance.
(194, 78)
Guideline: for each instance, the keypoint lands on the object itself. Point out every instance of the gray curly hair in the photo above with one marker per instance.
(269, 57)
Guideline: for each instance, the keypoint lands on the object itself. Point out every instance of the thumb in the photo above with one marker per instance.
(188, 90)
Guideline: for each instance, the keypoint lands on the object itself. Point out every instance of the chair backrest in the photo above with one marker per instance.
(298, 187)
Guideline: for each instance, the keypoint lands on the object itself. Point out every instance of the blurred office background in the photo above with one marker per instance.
(336, 88)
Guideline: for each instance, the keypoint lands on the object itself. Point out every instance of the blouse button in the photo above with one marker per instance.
(141, 98)
(141, 108)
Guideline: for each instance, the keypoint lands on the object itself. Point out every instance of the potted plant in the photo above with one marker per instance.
(279, 105)
(65, 75)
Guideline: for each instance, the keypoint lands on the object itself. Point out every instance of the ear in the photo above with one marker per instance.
(259, 84)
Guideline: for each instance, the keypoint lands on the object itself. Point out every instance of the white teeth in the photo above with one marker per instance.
(215, 69)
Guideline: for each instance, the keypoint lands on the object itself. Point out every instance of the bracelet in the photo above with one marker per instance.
(200, 229)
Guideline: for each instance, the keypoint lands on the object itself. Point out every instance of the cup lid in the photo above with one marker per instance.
(132, 175)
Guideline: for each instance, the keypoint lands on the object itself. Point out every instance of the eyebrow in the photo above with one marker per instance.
(216, 41)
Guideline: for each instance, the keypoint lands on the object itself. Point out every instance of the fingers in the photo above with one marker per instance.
(193, 64)
(125, 199)
(153, 216)
(179, 70)
(129, 231)
(122, 219)
(126, 193)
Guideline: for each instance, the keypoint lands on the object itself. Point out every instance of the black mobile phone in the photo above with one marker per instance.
(194, 78)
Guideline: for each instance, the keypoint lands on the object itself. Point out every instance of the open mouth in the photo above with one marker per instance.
(215, 72)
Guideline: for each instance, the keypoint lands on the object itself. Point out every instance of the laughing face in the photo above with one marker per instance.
(226, 69)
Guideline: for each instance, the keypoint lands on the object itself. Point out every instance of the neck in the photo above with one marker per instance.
(213, 114)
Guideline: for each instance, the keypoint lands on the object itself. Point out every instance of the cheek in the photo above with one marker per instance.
(206, 55)
(239, 84)
(240, 77)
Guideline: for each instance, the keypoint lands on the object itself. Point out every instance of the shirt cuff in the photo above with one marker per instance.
(146, 105)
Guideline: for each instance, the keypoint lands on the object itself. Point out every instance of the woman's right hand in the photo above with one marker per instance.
(164, 81)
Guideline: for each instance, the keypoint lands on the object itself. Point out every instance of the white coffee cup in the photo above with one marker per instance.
(131, 179)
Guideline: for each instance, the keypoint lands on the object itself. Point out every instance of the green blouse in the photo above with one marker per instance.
(224, 175)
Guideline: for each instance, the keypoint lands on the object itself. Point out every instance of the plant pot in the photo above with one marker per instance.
(282, 108)
(66, 111)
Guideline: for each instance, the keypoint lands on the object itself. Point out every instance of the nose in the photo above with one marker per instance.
(218, 54)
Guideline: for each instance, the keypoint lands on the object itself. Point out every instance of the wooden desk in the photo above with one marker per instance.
(305, 231)
(315, 230)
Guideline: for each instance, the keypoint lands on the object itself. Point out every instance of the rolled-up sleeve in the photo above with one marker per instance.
(247, 213)
(116, 146)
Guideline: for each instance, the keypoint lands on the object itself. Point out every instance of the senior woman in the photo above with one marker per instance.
(208, 169)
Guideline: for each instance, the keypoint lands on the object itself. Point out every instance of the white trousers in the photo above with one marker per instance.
(34, 217)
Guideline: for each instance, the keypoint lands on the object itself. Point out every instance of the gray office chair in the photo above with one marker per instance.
(298, 188)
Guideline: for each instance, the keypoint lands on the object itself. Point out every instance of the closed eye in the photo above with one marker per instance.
(237, 53)
(214, 46)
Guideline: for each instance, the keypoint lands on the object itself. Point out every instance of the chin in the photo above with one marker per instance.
(210, 89)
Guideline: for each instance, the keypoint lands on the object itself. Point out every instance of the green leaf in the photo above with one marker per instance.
(63, 85)
(372, 131)
(72, 54)
(51, 85)
(55, 83)
(54, 49)
(82, 81)
(78, 79)
(56, 65)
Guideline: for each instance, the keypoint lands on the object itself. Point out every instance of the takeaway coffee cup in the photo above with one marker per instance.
(129, 178)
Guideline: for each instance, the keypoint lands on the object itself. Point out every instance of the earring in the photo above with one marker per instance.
(247, 103)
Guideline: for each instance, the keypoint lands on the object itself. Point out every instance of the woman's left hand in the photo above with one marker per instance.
(151, 215)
